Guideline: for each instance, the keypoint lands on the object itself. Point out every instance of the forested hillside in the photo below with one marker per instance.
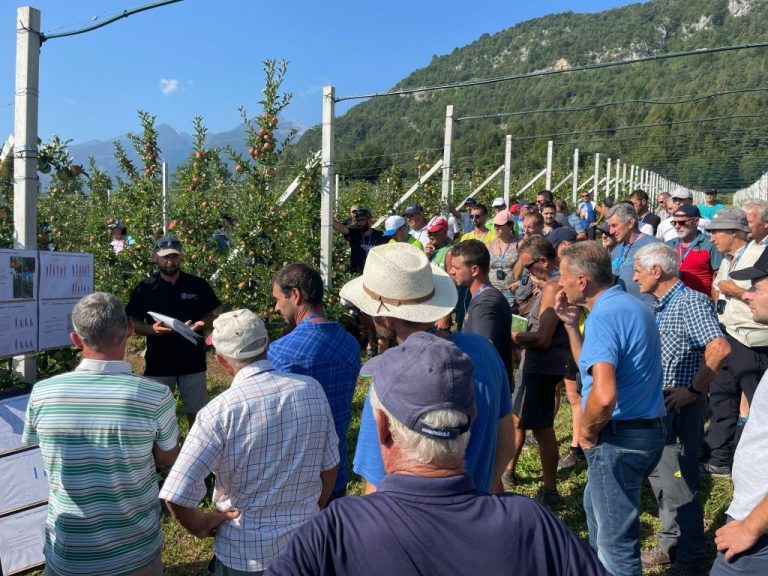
(728, 152)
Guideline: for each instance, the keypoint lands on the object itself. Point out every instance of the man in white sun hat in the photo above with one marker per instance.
(271, 442)
(406, 295)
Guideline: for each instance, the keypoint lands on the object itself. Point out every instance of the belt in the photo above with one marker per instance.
(636, 423)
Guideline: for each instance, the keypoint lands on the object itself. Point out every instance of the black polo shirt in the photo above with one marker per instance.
(191, 298)
(359, 246)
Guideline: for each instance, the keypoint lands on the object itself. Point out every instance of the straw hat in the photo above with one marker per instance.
(398, 281)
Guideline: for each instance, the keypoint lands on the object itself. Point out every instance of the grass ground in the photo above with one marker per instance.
(185, 555)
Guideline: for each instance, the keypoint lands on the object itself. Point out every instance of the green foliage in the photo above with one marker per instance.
(391, 130)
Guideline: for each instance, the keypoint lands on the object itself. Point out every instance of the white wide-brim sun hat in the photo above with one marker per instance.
(398, 281)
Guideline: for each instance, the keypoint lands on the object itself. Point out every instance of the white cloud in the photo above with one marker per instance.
(168, 85)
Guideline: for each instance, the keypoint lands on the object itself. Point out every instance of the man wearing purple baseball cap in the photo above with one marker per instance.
(427, 517)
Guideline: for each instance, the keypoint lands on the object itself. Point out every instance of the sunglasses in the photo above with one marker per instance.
(165, 244)
(680, 222)
(476, 217)
(529, 265)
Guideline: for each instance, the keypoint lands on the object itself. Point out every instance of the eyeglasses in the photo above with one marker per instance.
(476, 217)
(529, 265)
(680, 222)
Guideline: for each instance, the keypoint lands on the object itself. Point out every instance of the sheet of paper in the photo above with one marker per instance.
(65, 275)
(18, 328)
(22, 538)
(12, 411)
(23, 479)
(55, 321)
(18, 275)
(178, 326)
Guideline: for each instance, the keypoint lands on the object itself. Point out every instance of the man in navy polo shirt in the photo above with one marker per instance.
(316, 347)
(427, 517)
(622, 431)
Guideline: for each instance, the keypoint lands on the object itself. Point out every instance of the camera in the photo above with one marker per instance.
(720, 306)
(500, 274)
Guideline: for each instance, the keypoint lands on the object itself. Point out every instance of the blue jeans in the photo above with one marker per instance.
(616, 469)
(752, 561)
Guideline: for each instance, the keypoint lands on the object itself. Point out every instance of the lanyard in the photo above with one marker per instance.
(663, 311)
(313, 316)
(683, 255)
(497, 243)
(735, 261)
(625, 254)
(482, 289)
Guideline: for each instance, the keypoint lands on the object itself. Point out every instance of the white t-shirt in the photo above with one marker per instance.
(666, 230)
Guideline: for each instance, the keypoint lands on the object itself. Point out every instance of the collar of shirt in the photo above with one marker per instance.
(609, 293)
(422, 486)
(698, 239)
(254, 368)
(661, 303)
(104, 366)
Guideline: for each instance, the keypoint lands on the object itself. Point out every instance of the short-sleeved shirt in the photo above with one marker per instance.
(488, 314)
(421, 236)
(666, 230)
(419, 525)
(573, 221)
(586, 214)
(710, 211)
(438, 258)
(623, 265)
(330, 355)
(493, 403)
(751, 459)
(190, 298)
(687, 323)
(486, 238)
(621, 331)
(411, 240)
(699, 262)
(266, 438)
(360, 245)
(97, 427)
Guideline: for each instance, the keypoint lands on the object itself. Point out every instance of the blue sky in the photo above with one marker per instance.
(204, 57)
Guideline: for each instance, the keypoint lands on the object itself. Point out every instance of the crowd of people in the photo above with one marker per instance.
(477, 324)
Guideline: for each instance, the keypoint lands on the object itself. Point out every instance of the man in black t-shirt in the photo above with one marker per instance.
(172, 359)
(488, 313)
(361, 238)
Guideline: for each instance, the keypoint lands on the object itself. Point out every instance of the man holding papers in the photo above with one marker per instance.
(170, 294)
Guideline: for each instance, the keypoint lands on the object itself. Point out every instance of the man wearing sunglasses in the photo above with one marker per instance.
(171, 359)
(697, 257)
(679, 197)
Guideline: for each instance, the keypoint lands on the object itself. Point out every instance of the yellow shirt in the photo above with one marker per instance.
(486, 238)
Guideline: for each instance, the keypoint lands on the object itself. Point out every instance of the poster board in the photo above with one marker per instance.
(23, 479)
(12, 412)
(18, 328)
(22, 538)
(18, 275)
(65, 275)
(55, 319)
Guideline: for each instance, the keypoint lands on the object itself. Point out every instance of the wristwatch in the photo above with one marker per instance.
(693, 390)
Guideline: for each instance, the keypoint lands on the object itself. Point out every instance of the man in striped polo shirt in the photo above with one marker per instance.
(102, 431)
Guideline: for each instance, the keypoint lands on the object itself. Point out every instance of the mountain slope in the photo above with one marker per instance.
(728, 153)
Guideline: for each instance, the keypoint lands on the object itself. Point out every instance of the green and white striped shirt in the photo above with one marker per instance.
(96, 427)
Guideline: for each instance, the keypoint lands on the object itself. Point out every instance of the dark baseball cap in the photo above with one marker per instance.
(168, 244)
(423, 374)
(362, 213)
(757, 271)
(562, 234)
(687, 211)
(413, 208)
(470, 202)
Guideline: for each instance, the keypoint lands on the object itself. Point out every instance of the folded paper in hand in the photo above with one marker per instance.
(177, 326)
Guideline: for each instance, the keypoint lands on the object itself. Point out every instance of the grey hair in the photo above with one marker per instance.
(624, 212)
(760, 205)
(590, 259)
(423, 449)
(658, 254)
(100, 320)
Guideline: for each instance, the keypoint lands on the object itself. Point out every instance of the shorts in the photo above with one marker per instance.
(193, 389)
(533, 401)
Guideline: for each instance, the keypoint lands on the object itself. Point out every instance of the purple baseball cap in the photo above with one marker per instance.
(423, 374)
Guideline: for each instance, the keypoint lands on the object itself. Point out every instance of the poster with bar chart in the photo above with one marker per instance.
(65, 275)
(55, 320)
(18, 328)
(18, 275)
(23, 479)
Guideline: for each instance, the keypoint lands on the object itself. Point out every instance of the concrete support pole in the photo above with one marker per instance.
(25, 180)
(327, 185)
(597, 177)
(616, 186)
(575, 188)
(164, 168)
(447, 146)
(624, 179)
(550, 152)
(507, 167)
(607, 177)
(632, 177)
